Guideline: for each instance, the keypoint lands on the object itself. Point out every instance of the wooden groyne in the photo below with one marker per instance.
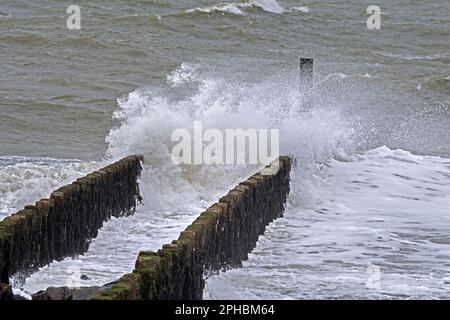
(221, 236)
(62, 225)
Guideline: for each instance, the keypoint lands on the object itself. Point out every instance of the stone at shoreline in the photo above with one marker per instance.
(66, 293)
(84, 277)
(6, 292)
(52, 293)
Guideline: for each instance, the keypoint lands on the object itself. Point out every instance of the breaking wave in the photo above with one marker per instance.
(238, 8)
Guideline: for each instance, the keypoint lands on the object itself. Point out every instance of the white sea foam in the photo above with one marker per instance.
(324, 233)
(384, 208)
(175, 195)
(303, 9)
(268, 5)
(271, 6)
(237, 8)
(404, 56)
(346, 210)
(26, 180)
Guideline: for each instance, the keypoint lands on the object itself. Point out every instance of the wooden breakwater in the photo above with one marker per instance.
(63, 224)
(221, 236)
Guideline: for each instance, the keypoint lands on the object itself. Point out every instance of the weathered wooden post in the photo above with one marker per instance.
(306, 83)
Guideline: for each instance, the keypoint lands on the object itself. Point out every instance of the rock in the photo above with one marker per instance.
(52, 293)
(65, 293)
(86, 293)
(84, 277)
(6, 292)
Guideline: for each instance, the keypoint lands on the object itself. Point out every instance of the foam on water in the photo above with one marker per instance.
(25, 180)
(271, 6)
(352, 111)
(385, 210)
(175, 195)
(303, 9)
(347, 209)
(233, 8)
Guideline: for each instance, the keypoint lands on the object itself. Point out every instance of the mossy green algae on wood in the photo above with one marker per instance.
(62, 225)
(222, 236)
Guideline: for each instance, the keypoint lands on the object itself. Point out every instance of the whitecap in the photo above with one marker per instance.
(303, 9)
(271, 6)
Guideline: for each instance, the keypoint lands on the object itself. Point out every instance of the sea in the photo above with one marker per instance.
(368, 214)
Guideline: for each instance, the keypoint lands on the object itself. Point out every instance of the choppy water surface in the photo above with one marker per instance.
(370, 190)
(380, 231)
